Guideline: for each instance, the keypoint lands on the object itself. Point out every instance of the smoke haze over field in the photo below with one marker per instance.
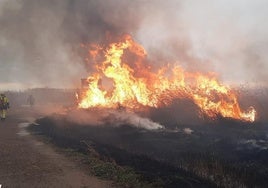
(39, 40)
(112, 118)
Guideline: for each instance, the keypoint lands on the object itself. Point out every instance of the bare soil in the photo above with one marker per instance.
(27, 162)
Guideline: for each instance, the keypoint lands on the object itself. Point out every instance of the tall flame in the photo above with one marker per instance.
(136, 84)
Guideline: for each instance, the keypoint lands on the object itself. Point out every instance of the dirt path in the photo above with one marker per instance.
(26, 162)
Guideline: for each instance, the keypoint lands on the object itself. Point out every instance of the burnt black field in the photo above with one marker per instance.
(212, 155)
(190, 151)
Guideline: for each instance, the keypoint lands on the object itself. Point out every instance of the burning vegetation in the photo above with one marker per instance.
(137, 84)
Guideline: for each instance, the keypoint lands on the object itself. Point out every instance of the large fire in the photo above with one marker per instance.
(137, 84)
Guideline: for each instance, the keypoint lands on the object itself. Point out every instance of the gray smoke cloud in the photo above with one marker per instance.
(40, 40)
(228, 37)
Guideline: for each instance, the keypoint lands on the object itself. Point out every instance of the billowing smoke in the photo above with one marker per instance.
(40, 40)
(111, 117)
(228, 37)
(187, 131)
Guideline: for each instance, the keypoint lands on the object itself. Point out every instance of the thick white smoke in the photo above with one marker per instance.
(109, 117)
(130, 118)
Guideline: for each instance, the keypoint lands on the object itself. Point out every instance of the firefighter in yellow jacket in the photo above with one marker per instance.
(4, 105)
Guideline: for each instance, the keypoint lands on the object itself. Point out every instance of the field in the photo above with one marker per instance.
(186, 152)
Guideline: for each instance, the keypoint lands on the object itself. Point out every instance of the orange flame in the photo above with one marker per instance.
(136, 84)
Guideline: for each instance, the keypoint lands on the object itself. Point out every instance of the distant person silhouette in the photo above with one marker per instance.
(31, 100)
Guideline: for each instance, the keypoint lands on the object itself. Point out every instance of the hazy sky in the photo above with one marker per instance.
(39, 39)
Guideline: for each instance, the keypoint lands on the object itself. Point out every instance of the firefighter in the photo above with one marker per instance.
(31, 100)
(4, 105)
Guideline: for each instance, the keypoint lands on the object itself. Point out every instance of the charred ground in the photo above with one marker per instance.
(222, 152)
(211, 155)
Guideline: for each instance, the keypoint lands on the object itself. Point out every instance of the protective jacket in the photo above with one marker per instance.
(4, 103)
